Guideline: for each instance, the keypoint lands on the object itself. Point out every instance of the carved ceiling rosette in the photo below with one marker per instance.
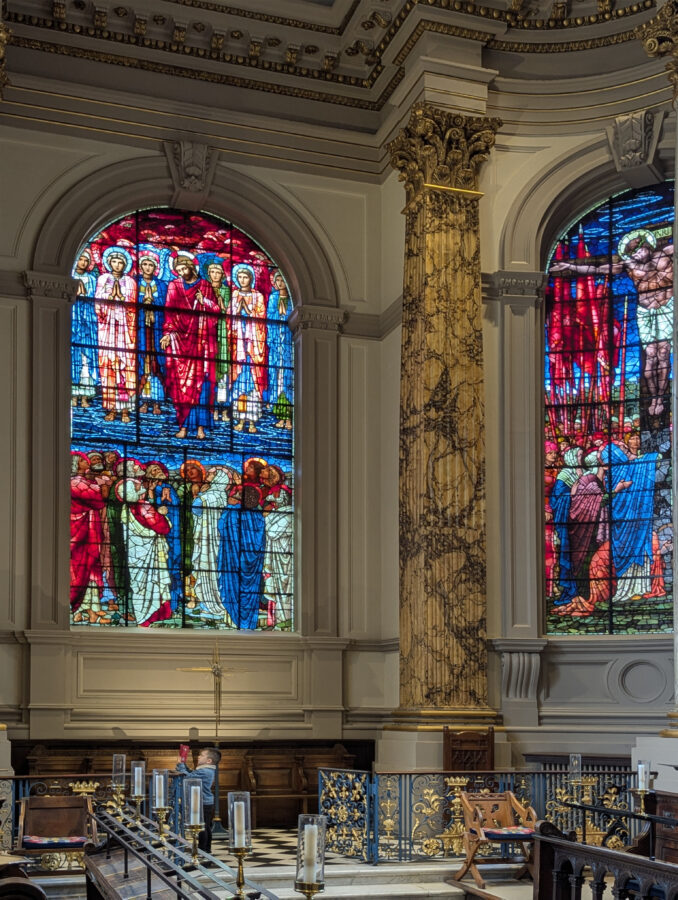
(659, 37)
(442, 149)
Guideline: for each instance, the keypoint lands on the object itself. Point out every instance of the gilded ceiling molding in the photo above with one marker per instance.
(213, 77)
(659, 37)
(562, 46)
(271, 19)
(442, 150)
(325, 71)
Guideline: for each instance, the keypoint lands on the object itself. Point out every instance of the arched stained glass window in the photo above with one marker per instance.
(608, 430)
(182, 445)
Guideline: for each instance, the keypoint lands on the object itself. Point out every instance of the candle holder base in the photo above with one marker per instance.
(194, 831)
(240, 853)
(309, 890)
(115, 805)
(641, 795)
(161, 813)
(137, 799)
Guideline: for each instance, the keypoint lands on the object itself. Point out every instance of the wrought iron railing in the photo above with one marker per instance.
(418, 815)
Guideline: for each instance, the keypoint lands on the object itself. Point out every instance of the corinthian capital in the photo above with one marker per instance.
(660, 38)
(442, 149)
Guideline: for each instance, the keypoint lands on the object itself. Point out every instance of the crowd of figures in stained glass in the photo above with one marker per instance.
(608, 428)
(182, 452)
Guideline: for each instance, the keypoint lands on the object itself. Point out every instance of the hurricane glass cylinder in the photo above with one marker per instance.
(239, 821)
(193, 802)
(160, 789)
(118, 776)
(137, 770)
(311, 850)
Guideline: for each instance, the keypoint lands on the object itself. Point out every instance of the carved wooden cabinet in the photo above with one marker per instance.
(666, 836)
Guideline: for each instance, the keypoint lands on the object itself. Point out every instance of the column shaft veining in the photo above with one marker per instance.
(443, 656)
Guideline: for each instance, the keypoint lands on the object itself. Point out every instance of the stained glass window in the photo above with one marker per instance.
(182, 406)
(608, 429)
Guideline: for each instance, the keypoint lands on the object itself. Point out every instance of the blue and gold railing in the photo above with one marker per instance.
(396, 816)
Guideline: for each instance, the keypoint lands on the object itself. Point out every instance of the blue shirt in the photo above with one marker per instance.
(206, 774)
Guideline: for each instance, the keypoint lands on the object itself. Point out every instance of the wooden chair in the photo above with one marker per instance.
(468, 751)
(495, 819)
(50, 825)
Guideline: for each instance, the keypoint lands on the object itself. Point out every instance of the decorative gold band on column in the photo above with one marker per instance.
(443, 661)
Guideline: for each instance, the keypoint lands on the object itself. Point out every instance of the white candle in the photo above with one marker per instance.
(238, 824)
(195, 805)
(138, 786)
(643, 776)
(310, 853)
(159, 790)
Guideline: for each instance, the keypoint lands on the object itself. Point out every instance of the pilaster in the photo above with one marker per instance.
(443, 655)
(50, 297)
(316, 334)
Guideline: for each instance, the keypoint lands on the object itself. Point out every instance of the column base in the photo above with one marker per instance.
(414, 739)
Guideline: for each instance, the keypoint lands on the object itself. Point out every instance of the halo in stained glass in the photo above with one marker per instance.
(608, 431)
(182, 440)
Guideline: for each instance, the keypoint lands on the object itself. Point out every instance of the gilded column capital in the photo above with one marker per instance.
(659, 37)
(441, 149)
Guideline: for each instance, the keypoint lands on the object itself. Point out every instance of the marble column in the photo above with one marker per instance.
(660, 38)
(443, 653)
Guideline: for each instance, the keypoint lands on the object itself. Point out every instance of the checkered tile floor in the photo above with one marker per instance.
(270, 847)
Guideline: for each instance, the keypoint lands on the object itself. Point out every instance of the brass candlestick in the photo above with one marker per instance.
(118, 801)
(308, 890)
(240, 853)
(194, 831)
(161, 813)
(642, 794)
(138, 799)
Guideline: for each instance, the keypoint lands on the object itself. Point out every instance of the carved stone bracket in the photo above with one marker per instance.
(520, 666)
(520, 289)
(6, 840)
(53, 287)
(659, 37)
(633, 141)
(441, 149)
(321, 318)
(192, 168)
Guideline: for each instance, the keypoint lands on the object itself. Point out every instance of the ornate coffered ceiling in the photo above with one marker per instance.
(346, 64)
(350, 52)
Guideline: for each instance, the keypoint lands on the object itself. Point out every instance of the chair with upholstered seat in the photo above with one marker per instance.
(56, 825)
(495, 819)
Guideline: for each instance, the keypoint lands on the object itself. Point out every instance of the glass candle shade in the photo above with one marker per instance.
(644, 775)
(137, 772)
(311, 850)
(160, 789)
(193, 802)
(239, 821)
(575, 768)
(118, 776)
